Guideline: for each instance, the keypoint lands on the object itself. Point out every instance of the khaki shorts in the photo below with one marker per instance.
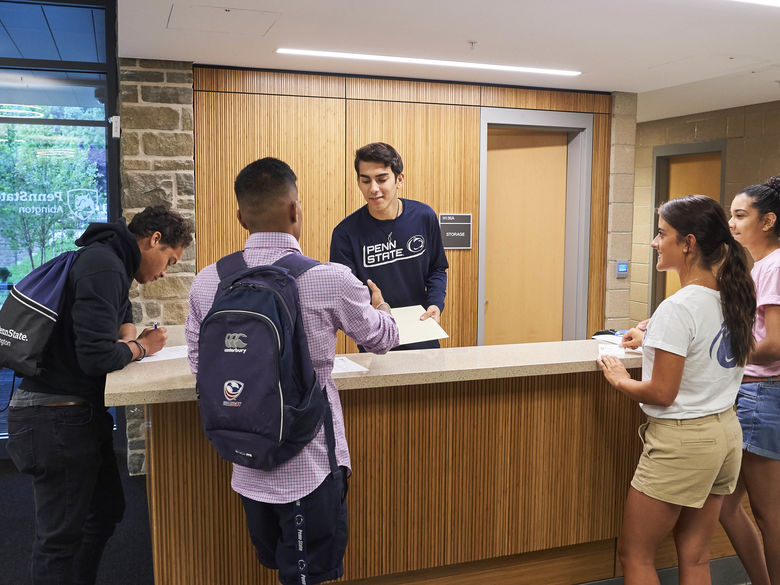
(684, 461)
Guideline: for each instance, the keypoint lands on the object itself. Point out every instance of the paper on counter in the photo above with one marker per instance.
(342, 365)
(616, 339)
(411, 329)
(615, 350)
(168, 353)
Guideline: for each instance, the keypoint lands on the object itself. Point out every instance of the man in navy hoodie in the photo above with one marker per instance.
(59, 430)
(394, 243)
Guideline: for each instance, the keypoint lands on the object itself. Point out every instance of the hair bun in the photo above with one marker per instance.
(774, 183)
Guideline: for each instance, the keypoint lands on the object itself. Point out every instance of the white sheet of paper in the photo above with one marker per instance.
(168, 353)
(615, 350)
(411, 329)
(342, 365)
(615, 339)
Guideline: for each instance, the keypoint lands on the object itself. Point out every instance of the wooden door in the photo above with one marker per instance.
(525, 233)
(692, 174)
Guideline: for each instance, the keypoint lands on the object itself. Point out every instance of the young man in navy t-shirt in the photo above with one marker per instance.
(394, 242)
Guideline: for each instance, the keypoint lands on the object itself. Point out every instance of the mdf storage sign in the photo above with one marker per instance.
(455, 230)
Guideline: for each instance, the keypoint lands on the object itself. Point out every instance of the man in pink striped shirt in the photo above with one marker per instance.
(331, 298)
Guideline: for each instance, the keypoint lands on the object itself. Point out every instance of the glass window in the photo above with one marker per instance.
(58, 87)
(52, 33)
(53, 165)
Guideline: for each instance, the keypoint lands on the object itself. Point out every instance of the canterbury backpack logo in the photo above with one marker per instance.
(233, 343)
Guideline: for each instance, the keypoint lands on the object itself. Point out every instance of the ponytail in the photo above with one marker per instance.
(737, 300)
(705, 219)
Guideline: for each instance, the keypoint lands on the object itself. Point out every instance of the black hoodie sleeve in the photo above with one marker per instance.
(98, 310)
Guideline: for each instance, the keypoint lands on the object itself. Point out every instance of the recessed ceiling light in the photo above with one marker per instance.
(775, 3)
(435, 62)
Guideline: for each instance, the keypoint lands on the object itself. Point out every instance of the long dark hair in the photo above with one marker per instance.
(705, 219)
(766, 198)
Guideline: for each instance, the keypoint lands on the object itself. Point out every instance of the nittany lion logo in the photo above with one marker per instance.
(724, 354)
(232, 389)
(83, 203)
(415, 244)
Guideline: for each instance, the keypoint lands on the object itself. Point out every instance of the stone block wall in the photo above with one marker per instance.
(752, 154)
(157, 167)
(621, 197)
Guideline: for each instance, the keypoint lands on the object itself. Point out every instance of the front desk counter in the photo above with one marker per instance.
(492, 464)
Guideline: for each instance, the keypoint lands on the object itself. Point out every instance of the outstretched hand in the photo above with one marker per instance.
(377, 300)
(432, 312)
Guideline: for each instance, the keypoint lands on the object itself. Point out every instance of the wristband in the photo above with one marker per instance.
(141, 347)
(382, 303)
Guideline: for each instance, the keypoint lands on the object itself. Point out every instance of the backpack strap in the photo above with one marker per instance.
(330, 436)
(296, 264)
(231, 264)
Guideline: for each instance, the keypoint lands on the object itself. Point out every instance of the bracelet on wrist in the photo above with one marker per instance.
(141, 347)
(383, 303)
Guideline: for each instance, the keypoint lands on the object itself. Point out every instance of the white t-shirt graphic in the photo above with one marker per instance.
(690, 324)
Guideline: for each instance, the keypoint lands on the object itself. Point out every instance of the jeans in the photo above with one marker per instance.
(68, 451)
(758, 409)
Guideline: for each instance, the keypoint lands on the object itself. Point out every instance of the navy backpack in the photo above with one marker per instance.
(28, 315)
(259, 397)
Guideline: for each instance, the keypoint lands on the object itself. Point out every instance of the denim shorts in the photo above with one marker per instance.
(758, 409)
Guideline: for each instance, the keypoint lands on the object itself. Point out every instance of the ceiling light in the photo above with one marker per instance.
(436, 62)
(775, 3)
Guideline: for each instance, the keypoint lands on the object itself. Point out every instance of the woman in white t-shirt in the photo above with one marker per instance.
(694, 351)
(754, 224)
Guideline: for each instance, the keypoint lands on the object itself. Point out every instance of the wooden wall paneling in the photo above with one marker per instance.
(396, 90)
(563, 566)
(199, 534)
(599, 213)
(541, 99)
(455, 473)
(232, 130)
(440, 148)
(268, 82)
(443, 474)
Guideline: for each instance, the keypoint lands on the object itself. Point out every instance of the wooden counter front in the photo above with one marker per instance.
(536, 455)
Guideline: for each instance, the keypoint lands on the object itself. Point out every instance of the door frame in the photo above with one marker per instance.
(579, 162)
(660, 190)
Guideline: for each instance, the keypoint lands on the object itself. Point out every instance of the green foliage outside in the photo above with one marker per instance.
(47, 177)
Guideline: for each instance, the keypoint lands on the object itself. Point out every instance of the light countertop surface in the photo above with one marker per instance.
(171, 380)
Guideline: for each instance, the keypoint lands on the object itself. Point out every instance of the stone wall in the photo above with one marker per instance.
(621, 197)
(752, 154)
(157, 167)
